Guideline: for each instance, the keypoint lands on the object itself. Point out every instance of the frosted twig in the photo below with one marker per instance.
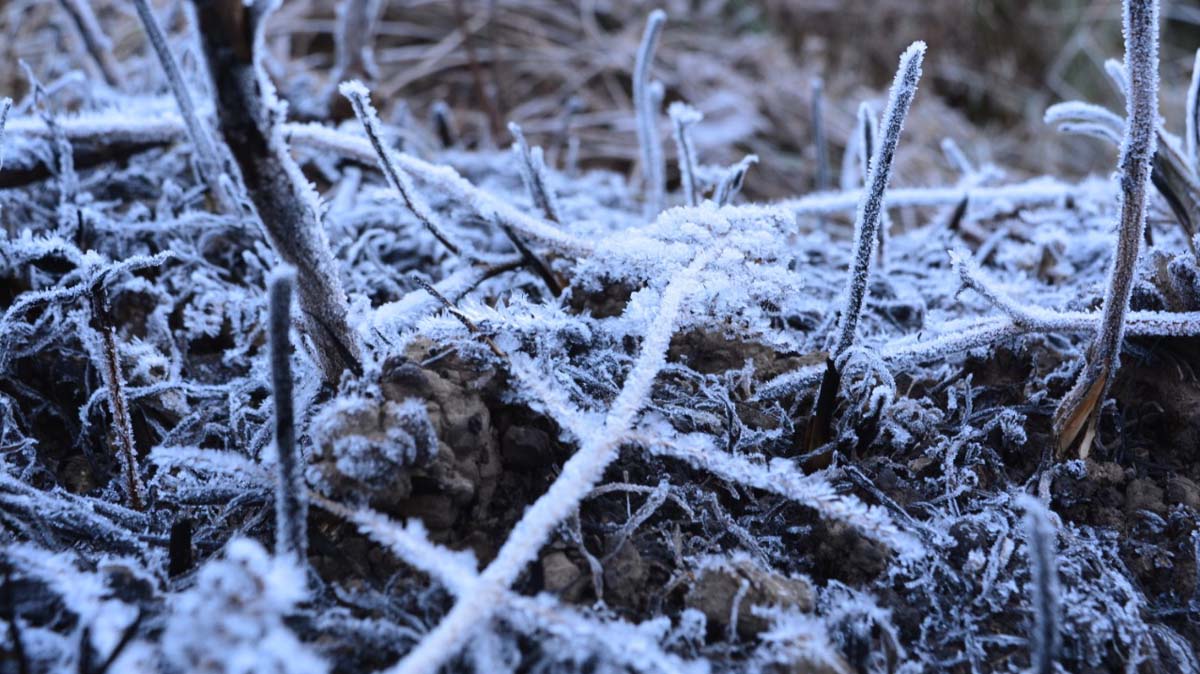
(1046, 640)
(818, 130)
(291, 506)
(114, 381)
(684, 116)
(866, 224)
(208, 155)
(1076, 417)
(868, 132)
(866, 235)
(1192, 132)
(442, 178)
(286, 203)
(579, 475)
(97, 43)
(972, 277)
(964, 335)
(1086, 118)
(731, 181)
(5, 107)
(956, 157)
(533, 174)
(360, 100)
(653, 170)
(780, 477)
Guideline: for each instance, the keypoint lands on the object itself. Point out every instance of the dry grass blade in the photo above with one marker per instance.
(1076, 418)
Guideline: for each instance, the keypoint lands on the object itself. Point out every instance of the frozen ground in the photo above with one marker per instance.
(287, 387)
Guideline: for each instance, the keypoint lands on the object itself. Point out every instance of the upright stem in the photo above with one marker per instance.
(1079, 411)
(646, 111)
(291, 507)
(250, 117)
(208, 158)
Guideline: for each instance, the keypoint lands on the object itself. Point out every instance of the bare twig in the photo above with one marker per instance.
(533, 174)
(114, 383)
(579, 475)
(249, 115)
(360, 100)
(207, 152)
(291, 506)
(97, 43)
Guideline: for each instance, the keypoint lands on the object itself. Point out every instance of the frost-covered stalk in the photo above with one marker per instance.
(579, 475)
(1077, 415)
(5, 106)
(870, 205)
(360, 100)
(533, 174)
(441, 117)
(653, 170)
(118, 404)
(97, 43)
(683, 116)
(250, 114)
(818, 130)
(868, 130)
(866, 236)
(731, 181)
(291, 504)
(208, 156)
(1040, 534)
(1192, 132)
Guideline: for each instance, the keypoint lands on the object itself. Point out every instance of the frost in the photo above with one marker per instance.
(232, 621)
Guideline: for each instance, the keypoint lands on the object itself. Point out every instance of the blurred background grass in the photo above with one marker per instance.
(562, 68)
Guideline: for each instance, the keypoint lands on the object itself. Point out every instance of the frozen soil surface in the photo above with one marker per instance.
(719, 538)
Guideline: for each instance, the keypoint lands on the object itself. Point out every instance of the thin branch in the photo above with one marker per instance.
(866, 236)
(866, 228)
(360, 100)
(114, 382)
(731, 181)
(462, 318)
(208, 156)
(964, 335)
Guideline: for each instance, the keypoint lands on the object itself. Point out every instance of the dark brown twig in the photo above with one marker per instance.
(250, 115)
